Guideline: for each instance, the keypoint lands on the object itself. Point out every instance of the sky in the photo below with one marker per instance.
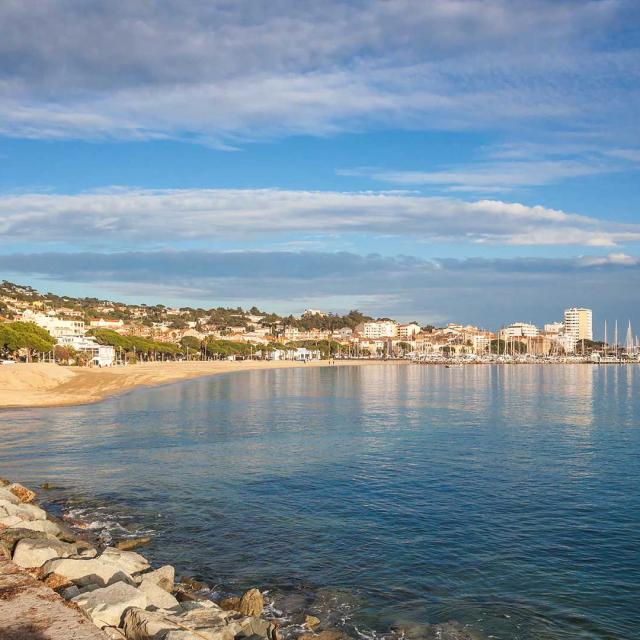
(445, 161)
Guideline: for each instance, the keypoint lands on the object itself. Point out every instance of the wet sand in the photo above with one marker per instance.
(49, 385)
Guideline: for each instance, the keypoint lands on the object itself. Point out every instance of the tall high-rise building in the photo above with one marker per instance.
(578, 323)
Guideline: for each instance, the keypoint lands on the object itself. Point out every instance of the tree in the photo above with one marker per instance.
(26, 336)
(64, 354)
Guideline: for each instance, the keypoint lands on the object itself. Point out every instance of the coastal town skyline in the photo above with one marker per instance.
(102, 327)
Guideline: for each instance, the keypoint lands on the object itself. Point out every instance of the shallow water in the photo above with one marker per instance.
(504, 497)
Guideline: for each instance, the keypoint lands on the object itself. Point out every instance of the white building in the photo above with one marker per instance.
(554, 328)
(102, 355)
(55, 326)
(578, 323)
(519, 330)
(101, 323)
(566, 342)
(408, 331)
(378, 329)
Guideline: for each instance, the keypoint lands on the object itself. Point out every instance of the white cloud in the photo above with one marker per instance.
(488, 176)
(223, 72)
(123, 217)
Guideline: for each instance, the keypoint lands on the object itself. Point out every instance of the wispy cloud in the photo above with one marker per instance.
(124, 217)
(223, 72)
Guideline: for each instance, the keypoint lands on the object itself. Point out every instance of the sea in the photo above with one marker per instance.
(381, 498)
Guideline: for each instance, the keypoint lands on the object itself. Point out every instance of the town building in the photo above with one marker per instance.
(408, 331)
(102, 355)
(54, 325)
(519, 330)
(101, 323)
(378, 329)
(578, 323)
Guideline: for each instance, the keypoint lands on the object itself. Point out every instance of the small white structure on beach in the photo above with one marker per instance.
(102, 355)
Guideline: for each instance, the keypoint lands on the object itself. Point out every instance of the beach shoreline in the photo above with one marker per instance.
(36, 385)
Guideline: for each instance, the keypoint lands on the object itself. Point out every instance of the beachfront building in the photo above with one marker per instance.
(378, 329)
(101, 355)
(578, 323)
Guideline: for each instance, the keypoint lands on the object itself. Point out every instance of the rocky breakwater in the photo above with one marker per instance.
(117, 589)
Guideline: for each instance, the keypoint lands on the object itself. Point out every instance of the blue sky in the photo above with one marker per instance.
(455, 160)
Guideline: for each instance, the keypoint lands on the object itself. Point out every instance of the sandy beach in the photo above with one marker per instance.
(49, 385)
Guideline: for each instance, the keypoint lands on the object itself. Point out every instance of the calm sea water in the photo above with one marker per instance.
(507, 498)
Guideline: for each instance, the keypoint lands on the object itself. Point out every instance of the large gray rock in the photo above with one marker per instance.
(45, 526)
(30, 554)
(105, 606)
(83, 572)
(8, 496)
(210, 623)
(139, 624)
(164, 577)
(157, 597)
(253, 626)
(22, 511)
(9, 521)
(10, 537)
(129, 561)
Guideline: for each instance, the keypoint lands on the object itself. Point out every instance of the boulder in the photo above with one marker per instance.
(83, 572)
(105, 606)
(311, 621)
(139, 624)
(133, 543)
(129, 561)
(157, 597)
(56, 582)
(230, 604)
(10, 537)
(252, 627)
(193, 584)
(251, 603)
(24, 494)
(5, 494)
(163, 577)
(69, 592)
(34, 553)
(45, 526)
(209, 618)
(9, 521)
(22, 511)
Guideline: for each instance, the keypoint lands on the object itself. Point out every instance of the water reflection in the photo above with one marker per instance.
(506, 497)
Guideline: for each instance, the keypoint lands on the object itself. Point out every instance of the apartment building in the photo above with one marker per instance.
(55, 326)
(578, 323)
(378, 329)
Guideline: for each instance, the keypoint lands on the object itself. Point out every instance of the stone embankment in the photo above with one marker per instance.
(116, 589)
